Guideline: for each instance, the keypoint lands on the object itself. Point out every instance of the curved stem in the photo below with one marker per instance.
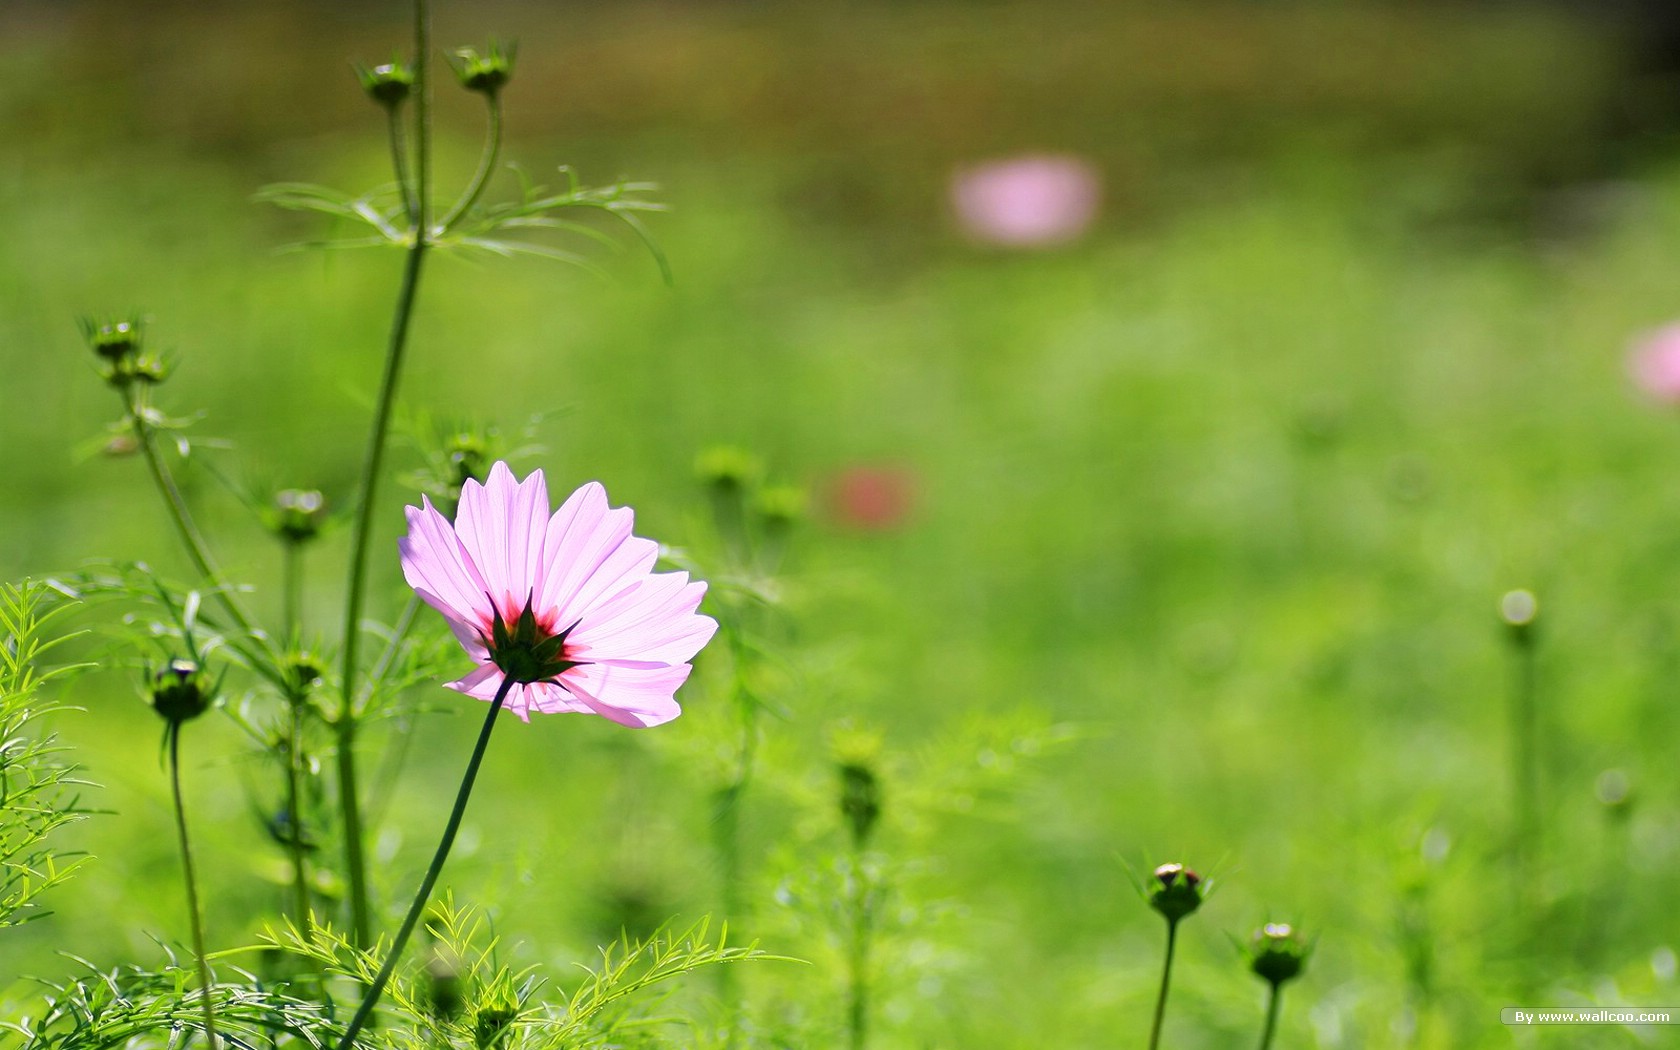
(195, 914)
(399, 162)
(355, 864)
(197, 549)
(1166, 979)
(486, 167)
(1272, 1001)
(862, 928)
(377, 989)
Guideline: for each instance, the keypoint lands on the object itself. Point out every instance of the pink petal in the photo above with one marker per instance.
(502, 524)
(583, 538)
(639, 697)
(439, 569)
(652, 622)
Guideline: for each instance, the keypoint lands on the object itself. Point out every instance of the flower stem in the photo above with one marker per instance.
(1166, 979)
(194, 912)
(372, 464)
(377, 988)
(1272, 1000)
(1525, 779)
(863, 915)
(486, 166)
(399, 164)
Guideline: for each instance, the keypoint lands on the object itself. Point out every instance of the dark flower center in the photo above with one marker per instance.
(528, 650)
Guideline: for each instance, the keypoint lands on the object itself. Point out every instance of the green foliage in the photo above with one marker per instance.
(488, 1003)
(38, 788)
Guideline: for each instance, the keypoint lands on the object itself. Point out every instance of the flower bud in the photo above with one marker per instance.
(467, 454)
(780, 507)
(1277, 953)
(1177, 893)
(1519, 609)
(442, 995)
(860, 800)
(486, 74)
(179, 692)
(388, 84)
(493, 1017)
(728, 469)
(114, 341)
(298, 514)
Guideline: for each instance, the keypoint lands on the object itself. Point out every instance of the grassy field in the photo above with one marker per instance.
(1210, 514)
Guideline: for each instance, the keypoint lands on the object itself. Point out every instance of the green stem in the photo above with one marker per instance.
(1166, 980)
(197, 549)
(486, 167)
(862, 928)
(377, 988)
(195, 914)
(399, 162)
(1272, 1001)
(355, 864)
(1525, 780)
(291, 593)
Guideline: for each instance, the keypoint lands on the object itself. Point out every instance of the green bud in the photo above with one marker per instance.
(487, 73)
(493, 1017)
(1519, 609)
(781, 506)
(1177, 893)
(467, 454)
(298, 514)
(860, 800)
(1277, 953)
(114, 341)
(728, 469)
(443, 998)
(304, 672)
(179, 692)
(388, 84)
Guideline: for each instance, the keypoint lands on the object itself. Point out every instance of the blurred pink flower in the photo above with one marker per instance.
(1026, 202)
(1655, 363)
(568, 606)
(871, 498)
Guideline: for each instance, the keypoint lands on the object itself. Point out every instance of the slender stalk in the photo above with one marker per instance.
(1272, 1001)
(1525, 778)
(197, 549)
(377, 988)
(291, 592)
(1166, 979)
(355, 864)
(399, 162)
(195, 914)
(727, 825)
(486, 166)
(863, 916)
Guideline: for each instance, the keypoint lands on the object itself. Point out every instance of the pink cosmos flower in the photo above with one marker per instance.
(567, 607)
(1654, 362)
(1026, 202)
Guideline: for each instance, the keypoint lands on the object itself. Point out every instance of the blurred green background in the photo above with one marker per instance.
(1229, 487)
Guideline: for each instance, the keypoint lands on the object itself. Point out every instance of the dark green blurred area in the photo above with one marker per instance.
(1233, 483)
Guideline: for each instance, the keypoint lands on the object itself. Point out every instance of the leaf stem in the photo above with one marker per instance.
(195, 914)
(345, 724)
(377, 988)
(1166, 979)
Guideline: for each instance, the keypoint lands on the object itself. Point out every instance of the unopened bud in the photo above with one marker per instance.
(298, 514)
(179, 692)
(860, 800)
(388, 84)
(1177, 891)
(1277, 953)
(1519, 609)
(487, 73)
(728, 469)
(113, 341)
(443, 997)
(492, 1018)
